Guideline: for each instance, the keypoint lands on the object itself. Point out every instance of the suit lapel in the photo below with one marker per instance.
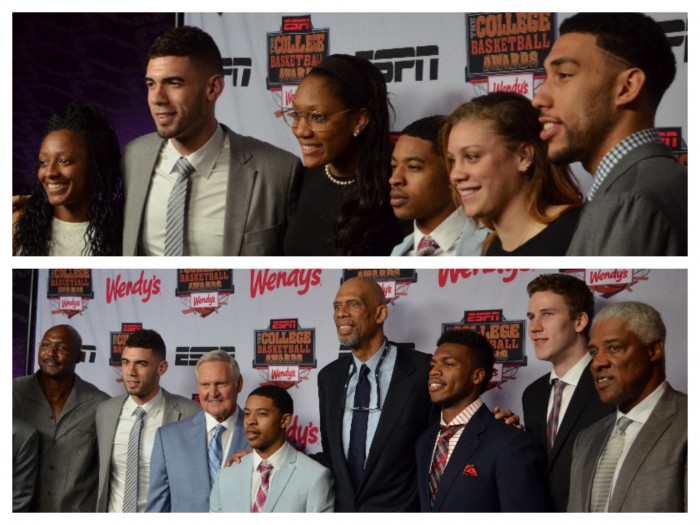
(171, 411)
(281, 479)
(241, 181)
(139, 183)
(239, 442)
(595, 449)
(583, 392)
(336, 411)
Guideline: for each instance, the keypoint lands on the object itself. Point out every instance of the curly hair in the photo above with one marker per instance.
(105, 213)
(366, 202)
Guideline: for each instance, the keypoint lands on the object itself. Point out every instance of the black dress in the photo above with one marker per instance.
(553, 240)
(310, 228)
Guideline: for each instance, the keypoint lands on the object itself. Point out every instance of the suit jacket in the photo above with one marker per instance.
(641, 208)
(300, 485)
(469, 243)
(654, 474)
(25, 463)
(262, 187)
(585, 408)
(389, 478)
(507, 469)
(179, 480)
(107, 417)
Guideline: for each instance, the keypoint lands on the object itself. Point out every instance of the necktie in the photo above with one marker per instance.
(427, 246)
(215, 453)
(437, 466)
(265, 470)
(131, 481)
(177, 204)
(553, 419)
(602, 479)
(358, 428)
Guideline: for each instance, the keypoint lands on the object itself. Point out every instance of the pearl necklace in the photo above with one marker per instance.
(336, 180)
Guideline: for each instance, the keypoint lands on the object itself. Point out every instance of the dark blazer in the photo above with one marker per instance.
(640, 209)
(507, 464)
(25, 463)
(654, 474)
(585, 408)
(179, 478)
(262, 188)
(389, 480)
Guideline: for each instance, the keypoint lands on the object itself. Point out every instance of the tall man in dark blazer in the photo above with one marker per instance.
(182, 469)
(241, 189)
(564, 401)
(606, 75)
(368, 443)
(635, 460)
(471, 462)
(143, 364)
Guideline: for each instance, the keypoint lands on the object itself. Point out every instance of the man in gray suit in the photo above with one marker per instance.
(237, 198)
(145, 405)
(61, 406)
(187, 454)
(606, 75)
(637, 459)
(275, 477)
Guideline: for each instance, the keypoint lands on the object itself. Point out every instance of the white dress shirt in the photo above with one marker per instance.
(571, 378)
(226, 435)
(275, 460)
(446, 235)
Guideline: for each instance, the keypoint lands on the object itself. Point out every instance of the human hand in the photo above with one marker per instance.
(236, 458)
(508, 417)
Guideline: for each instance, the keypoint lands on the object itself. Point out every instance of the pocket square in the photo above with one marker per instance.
(470, 470)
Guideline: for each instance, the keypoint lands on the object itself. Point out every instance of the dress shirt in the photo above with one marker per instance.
(460, 419)
(226, 435)
(275, 460)
(446, 235)
(571, 378)
(151, 422)
(639, 415)
(386, 371)
(206, 204)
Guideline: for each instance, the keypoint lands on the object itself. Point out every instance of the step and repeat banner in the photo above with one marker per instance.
(278, 323)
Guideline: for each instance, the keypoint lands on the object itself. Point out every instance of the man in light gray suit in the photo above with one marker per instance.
(241, 190)
(143, 364)
(275, 477)
(637, 459)
(183, 462)
(606, 75)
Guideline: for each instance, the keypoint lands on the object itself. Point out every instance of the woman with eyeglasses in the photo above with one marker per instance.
(340, 116)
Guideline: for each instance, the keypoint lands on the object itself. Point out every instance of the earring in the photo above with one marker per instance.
(356, 133)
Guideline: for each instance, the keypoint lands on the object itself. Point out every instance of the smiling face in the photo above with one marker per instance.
(264, 425)
(453, 381)
(359, 315)
(141, 371)
(624, 369)
(59, 352)
(576, 101)
(484, 171)
(420, 187)
(63, 172)
(218, 389)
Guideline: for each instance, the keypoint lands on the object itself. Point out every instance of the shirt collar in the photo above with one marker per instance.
(446, 234)
(373, 361)
(275, 459)
(575, 372)
(641, 412)
(152, 407)
(203, 159)
(465, 415)
(228, 423)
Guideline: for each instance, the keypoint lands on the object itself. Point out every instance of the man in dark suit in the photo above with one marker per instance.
(635, 460)
(146, 405)
(188, 454)
(368, 441)
(237, 198)
(606, 75)
(564, 401)
(471, 462)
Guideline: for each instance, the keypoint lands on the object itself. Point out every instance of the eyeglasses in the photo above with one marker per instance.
(315, 120)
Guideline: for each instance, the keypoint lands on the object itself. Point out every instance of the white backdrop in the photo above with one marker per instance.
(192, 324)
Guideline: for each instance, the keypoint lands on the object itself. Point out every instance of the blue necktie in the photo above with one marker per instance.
(215, 453)
(358, 428)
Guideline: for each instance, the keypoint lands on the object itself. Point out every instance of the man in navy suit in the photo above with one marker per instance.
(471, 462)
(185, 461)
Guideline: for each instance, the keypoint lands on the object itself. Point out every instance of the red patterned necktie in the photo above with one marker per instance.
(553, 419)
(437, 467)
(427, 246)
(265, 470)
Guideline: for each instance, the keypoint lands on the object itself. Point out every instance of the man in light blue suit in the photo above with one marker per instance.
(188, 454)
(275, 477)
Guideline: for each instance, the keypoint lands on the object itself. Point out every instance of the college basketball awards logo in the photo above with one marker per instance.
(69, 291)
(506, 337)
(607, 283)
(394, 282)
(116, 346)
(285, 352)
(204, 291)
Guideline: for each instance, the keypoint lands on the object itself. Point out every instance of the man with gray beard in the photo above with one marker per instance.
(373, 404)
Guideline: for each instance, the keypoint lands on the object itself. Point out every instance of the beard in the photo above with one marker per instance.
(351, 340)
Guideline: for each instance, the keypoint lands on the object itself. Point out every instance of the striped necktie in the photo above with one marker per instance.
(602, 479)
(131, 481)
(553, 419)
(265, 470)
(177, 205)
(440, 456)
(215, 452)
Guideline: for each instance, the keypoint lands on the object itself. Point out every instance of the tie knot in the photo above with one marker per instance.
(447, 431)
(558, 385)
(427, 246)
(265, 468)
(139, 412)
(364, 371)
(622, 424)
(184, 168)
(218, 429)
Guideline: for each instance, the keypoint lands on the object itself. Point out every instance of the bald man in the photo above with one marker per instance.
(61, 406)
(374, 404)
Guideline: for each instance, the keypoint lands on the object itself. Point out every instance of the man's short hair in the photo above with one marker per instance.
(480, 351)
(575, 292)
(280, 397)
(634, 37)
(643, 320)
(222, 356)
(149, 339)
(192, 42)
(427, 128)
